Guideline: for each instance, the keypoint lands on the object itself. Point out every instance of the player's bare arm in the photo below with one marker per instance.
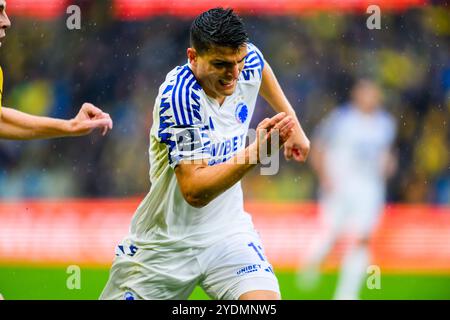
(317, 161)
(21, 126)
(200, 183)
(389, 162)
(298, 145)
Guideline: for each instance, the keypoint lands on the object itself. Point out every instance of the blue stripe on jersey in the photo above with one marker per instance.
(187, 102)
(260, 59)
(253, 60)
(165, 121)
(211, 125)
(196, 103)
(252, 57)
(188, 98)
(251, 66)
(167, 89)
(246, 74)
(180, 97)
(174, 105)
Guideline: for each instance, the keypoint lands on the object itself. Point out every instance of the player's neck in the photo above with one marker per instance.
(220, 99)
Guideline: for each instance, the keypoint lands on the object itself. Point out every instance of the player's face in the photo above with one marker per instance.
(367, 97)
(218, 69)
(4, 20)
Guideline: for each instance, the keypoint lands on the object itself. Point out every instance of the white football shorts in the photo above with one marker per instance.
(225, 270)
(358, 214)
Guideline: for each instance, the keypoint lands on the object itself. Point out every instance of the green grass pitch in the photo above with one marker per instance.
(50, 283)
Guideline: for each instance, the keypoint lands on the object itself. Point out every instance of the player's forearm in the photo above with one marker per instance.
(206, 183)
(389, 164)
(20, 126)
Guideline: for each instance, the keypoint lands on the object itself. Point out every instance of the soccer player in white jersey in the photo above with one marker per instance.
(191, 228)
(353, 157)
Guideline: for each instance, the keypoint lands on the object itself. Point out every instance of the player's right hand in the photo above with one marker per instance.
(278, 127)
(88, 119)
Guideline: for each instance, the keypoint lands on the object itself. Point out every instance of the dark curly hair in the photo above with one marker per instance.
(217, 27)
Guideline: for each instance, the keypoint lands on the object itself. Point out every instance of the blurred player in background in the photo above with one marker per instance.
(191, 228)
(353, 158)
(21, 126)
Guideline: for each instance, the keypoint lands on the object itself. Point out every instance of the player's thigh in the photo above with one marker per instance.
(334, 213)
(152, 275)
(236, 266)
(366, 217)
(260, 295)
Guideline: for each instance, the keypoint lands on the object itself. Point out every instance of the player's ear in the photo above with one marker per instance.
(192, 55)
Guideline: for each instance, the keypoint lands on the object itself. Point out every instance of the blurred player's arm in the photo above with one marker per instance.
(201, 183)
(297, 147)
(317, 161)
(22, 126)
(389, 163)
(390, 159)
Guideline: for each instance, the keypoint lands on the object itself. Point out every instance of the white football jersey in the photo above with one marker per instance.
(188, 124)
(354, 145)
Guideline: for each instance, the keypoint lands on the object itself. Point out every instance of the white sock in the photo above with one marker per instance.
(352, 274)
(308, 276)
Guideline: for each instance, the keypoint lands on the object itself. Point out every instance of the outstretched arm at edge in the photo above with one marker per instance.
(18, 125)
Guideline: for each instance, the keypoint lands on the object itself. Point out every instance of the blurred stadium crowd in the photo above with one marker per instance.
(50, 70)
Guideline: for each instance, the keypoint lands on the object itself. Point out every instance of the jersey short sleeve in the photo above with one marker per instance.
(327, 128)
(253, 66)
(182, 122)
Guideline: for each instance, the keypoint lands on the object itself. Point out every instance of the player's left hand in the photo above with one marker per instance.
(90, 118)
(297, 146)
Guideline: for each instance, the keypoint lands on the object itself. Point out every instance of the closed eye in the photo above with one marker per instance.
(222, 64)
